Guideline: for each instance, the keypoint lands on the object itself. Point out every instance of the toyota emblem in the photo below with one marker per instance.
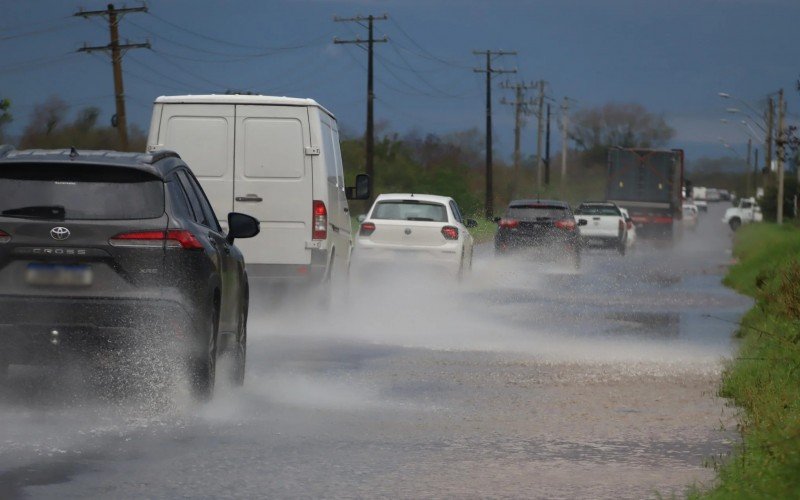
(59, 233)
(408, 230)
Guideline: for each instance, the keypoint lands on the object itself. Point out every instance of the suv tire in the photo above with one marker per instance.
(735, 223)
(202, 368)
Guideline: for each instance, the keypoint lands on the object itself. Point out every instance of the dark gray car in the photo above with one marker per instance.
(106, 251)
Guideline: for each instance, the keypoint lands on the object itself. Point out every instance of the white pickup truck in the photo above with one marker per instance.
(605, 226)
(745, 212)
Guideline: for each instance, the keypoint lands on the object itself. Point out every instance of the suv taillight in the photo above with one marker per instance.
(319, 224)
(175, 238)
(367, 228)
(567, 224)
(4, 237)
(450, 232)
(621, 225)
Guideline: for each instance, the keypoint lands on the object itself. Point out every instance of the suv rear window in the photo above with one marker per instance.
(537, 211)
(410, 210)
(79, 192)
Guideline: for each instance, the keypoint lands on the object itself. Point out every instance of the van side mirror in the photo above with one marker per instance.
(242, 226)
(361, 191)
(582, 222)
(470, 223)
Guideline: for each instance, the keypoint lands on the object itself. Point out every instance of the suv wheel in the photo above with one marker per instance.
(735, 223)
(202, 369)
(238, 352)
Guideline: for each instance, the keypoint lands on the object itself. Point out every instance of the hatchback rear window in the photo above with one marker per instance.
(79, 192)
(410, 210)
(536, 211)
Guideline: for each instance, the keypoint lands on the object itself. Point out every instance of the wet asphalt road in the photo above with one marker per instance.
(525, 381)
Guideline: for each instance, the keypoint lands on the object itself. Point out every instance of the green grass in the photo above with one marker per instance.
(764, 380)
(484, 231)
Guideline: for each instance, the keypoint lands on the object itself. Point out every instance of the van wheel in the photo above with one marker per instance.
(203, 367)
(735, 223)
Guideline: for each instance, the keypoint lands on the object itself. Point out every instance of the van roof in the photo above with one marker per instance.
(240, 99)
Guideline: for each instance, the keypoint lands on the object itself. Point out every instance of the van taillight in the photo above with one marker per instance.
(176, 238)
(450, 232)
(567, 224)
(367, 228)
(319, 229)
(4, 237)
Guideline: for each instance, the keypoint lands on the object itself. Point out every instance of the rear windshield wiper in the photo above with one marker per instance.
(56, 212)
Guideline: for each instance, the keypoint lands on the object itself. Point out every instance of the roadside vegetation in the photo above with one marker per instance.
(764, 380)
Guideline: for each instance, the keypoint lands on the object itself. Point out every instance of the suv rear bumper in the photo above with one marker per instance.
(37, 330)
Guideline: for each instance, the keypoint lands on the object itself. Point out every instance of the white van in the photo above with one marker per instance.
(277, 159)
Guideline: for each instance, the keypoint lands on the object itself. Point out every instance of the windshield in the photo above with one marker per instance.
(79, 193)
(410, 210)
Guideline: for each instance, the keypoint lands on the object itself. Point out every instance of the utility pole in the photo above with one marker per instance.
(520, 110)
(117, 50)
(369, 135)
(755, 174)
(547, 150)
(539, 116)
(564, 138)
(748, 183)
(780, 143)
(768, 142)
(489, 71)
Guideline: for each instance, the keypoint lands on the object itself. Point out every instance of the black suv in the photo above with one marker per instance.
(547, 225)
(101, 250)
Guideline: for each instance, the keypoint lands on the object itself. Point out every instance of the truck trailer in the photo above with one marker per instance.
(648, 183)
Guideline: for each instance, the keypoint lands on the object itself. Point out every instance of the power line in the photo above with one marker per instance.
(234, 44)
(428, 55)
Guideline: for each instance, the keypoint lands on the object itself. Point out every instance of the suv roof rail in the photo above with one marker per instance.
(5, 149)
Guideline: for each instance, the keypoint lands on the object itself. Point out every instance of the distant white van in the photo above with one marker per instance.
(277, 159)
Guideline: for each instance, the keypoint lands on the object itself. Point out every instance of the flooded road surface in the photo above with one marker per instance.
(526, 381)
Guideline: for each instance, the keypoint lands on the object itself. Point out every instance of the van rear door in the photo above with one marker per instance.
(273, 182)
(203, 135)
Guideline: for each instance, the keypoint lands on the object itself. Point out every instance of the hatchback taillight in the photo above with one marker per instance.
(450, 232)
(175, 238)
(367, 228)
(4, 237)
(319, 223)
(566, 224)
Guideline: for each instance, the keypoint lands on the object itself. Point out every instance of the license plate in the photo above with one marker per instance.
(58, 275)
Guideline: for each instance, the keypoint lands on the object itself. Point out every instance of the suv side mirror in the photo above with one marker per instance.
(361, 191)
(361, 218)
(470, 223)
(242, 226)
(496, 219)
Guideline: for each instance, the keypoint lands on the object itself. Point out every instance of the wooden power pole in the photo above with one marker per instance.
(117, 50)
(369, 134)
(521, 109)
(489, 72)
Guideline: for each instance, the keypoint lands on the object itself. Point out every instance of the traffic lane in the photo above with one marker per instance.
(451, 397)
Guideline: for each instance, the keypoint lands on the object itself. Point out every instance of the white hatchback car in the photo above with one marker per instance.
(420, 228)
